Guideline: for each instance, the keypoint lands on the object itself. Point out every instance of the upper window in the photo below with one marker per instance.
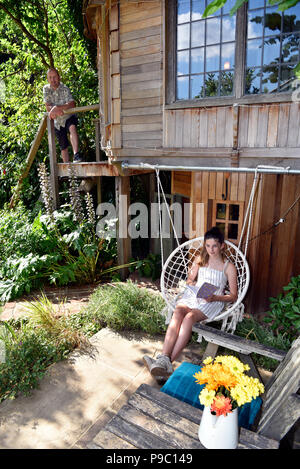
(272, 47)
(205, 51)
(253, 52)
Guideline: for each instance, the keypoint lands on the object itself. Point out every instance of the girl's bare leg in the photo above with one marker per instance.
(185, 331)
(173, 329)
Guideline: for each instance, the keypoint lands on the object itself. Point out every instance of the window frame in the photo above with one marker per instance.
(239, 81)
(226, 220)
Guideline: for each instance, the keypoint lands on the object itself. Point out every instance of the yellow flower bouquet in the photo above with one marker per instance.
(226, 384)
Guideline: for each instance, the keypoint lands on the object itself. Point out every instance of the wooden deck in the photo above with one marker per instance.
(152, 419)
(96, 168)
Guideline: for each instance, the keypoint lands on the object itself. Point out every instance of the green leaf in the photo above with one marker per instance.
(297, 70)
(214, 6)
(287, 4)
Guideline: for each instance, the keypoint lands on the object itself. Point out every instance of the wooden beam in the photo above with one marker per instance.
(91, 107)
(237, 343)
(97, 168)
(88, 169)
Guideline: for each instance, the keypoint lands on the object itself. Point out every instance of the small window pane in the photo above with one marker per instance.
(226, 84)
(221, 227)
(228, 51)
(254, 49)
(270, 79)
(183, 36)
(271, 51)
(183, 11)
(291, 19)
(228, 28)
(211, 84)
(212, 58)
(198, 34)
(183, 58)
(287, 76)
(197, 86)
(232, 231)
(198, 7)
(255, 23)
(221, 211)
(290, 48)
(197, 60)
(253, 76)
(272, 22)
(234, 212)
(213, 29)
(183, 88)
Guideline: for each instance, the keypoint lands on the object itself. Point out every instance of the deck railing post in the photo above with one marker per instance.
(122, 205)
(98, 157)
(53, 162)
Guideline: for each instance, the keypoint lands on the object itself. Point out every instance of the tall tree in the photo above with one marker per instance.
(36, 35)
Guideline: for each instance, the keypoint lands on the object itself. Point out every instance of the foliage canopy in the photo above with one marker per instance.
(35, 35)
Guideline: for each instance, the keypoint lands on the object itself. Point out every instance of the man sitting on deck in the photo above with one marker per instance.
(58, 98)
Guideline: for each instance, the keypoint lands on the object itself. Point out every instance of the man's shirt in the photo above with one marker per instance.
(62, 95)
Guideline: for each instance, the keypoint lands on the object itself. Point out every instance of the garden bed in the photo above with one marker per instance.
(49, 335)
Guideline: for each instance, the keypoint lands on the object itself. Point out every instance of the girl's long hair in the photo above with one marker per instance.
(213, 233)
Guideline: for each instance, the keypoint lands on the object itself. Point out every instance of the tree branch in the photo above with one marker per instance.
(23, 28)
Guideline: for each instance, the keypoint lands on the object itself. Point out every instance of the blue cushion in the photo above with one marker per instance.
(183, 386)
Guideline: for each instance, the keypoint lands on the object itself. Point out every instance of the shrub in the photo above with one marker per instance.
(252, 329)
(125, 306)
(284, 314)
(28, 353)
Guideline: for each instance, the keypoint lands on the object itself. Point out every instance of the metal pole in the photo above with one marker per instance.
(258, 169)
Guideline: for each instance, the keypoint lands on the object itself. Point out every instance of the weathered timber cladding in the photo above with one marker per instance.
(141, 74)
(260, 126)
(192, 128)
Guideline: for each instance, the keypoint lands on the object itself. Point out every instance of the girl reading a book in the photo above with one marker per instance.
(209, 267)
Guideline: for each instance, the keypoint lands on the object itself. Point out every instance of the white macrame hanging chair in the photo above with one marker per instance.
(175, 269)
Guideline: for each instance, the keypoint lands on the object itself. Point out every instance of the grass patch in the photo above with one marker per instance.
(123, 306)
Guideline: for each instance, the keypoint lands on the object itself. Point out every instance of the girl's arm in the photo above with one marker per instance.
(193, 273)
(232, 282)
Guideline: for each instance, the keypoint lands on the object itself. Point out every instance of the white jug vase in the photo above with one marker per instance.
(219, 432)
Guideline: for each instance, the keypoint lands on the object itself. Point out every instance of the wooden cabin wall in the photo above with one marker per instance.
(141, 71)
(273, 255)
(192, 128)
(260, 126)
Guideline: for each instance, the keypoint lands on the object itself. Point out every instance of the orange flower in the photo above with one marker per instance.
(216, 375)
(221, 405)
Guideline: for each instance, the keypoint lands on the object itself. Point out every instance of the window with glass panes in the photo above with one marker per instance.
(205, 50)
(228, 216)
(272, 47)
(263, 45)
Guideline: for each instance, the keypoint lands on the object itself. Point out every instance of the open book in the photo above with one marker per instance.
(204, 291)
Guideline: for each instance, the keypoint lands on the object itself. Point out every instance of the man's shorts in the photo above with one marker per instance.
(62, 133)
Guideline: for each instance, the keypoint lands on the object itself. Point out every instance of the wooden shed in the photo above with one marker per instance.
(180, 91)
